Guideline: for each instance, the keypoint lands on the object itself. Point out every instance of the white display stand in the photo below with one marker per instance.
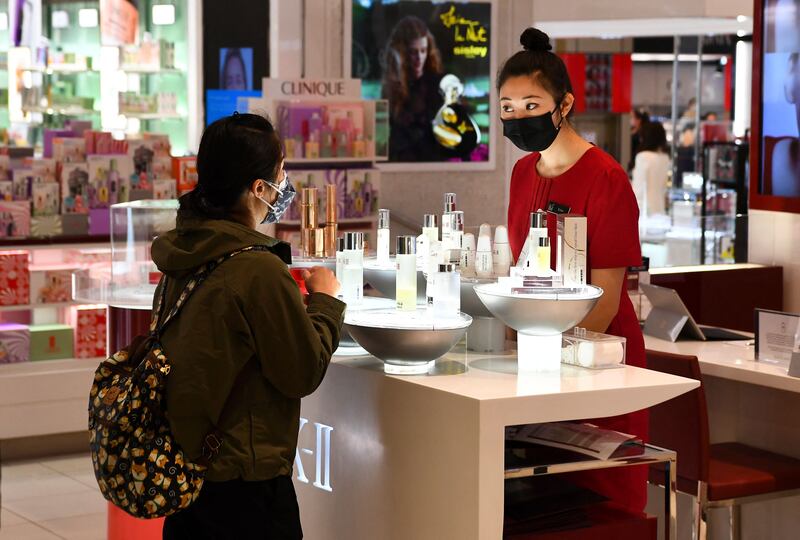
(394, 457)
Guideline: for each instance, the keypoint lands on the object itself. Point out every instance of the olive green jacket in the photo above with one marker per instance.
(248, 315)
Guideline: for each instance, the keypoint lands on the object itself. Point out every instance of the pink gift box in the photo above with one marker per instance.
(51, 286)
(90, 324)
(15, 343)
(15, 219)
(15, 278)
(99, 222)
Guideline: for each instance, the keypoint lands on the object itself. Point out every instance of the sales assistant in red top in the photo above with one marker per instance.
(565, 173)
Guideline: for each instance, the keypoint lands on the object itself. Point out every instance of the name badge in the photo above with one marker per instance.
(556, 208)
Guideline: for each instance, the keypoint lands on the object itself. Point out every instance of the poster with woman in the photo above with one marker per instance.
(433, 62)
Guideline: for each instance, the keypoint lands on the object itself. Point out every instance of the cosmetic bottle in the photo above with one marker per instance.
(538, 229)
(456, 238)
(406, 280)
(430, 227)
(342, 144)
(447, 292)
(484, 266)
(501, 256)
(468, 255)
(447, 219)
(353, 268)
(308, 220)
(384, 237)
(312, 147)
(331, 220)
(314, 126)
(543, 257)
(340, 261)
(326, 147)
(434, 260)
(298, 147)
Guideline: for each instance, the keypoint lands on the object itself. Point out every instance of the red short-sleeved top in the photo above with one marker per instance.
(595, 187)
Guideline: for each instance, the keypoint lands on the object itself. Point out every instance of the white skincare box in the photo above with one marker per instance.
(592, 350)
(572, 249)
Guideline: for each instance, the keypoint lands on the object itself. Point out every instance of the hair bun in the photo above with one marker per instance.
(534, 40)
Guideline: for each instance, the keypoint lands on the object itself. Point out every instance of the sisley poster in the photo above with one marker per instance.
(432, 62)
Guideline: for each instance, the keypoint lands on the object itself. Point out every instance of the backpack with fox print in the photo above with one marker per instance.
(138, 465)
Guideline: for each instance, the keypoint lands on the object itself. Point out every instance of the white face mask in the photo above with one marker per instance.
(286, 193)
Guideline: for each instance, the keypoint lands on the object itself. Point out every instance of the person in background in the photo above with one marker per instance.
(563, 170)
(710, 116)
(234, 71)
(690, 114)
(412, 73)
(684, 153)
(639, 117)
(651, 170)
(245, 334)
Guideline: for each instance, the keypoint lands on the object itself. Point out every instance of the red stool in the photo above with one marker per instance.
(718, 475)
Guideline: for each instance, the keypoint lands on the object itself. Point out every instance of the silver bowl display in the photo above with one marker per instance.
(383, 278)
(539, 314)
(405, 338)
(368, 302)
(470, 303)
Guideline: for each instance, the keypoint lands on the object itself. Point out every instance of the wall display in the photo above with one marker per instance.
(433, 62)
(776, 106)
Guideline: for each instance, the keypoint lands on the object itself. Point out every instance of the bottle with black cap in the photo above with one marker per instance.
(528, 257)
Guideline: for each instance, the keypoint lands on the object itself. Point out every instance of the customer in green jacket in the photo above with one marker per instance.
(247, 317)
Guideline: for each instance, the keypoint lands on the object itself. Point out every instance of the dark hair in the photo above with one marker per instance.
(231, 55)
(537, 60)
(642, 115)
(396, 75)
(234, 151)
(652, 137)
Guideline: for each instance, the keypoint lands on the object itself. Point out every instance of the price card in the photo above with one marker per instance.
(777, 335)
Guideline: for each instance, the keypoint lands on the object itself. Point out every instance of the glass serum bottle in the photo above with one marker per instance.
(406, 280)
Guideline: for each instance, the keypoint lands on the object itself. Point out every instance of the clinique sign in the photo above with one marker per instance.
(311, 88)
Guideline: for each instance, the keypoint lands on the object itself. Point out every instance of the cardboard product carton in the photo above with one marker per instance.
(165, 189)
(52, 342)
(23, 181)
(15, 343)
(162, 168)
(361, 199)
(15, 219)
(184, 169)
(99, 222)
(572, 259)
(75, 188)
(90, 323)
(15, 278)
(5, 168)
(51, 286)
(43, 169)
(46, 199)
(69, 150)
(159, 142)
(109, 180)
(6, 190)
(47, 226)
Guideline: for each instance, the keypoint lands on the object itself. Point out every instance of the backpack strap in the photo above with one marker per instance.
(157, 325)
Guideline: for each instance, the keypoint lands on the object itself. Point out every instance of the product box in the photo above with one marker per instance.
(45, 199)
(74, 224)
(5, 167)
(22, 180)
(15, 219)
(161, 168)
(52, 342)
(51, 286)
(294, 120)
(184, 170)
(99, 222)
(90, 323)
(43, 170)
(15, 278)
(16, 154)
(142, 154)
(159, 142)
(47, 226)
(50, 135)
(98, 142)
(572, 259)
(15, 343)
(109, 180)
(6, 190)
(307, 179)
(165, 189)
(75, 188)
(361, 199)
(69, 149)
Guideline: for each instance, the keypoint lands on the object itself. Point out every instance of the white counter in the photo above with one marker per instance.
(732, 360)
(422, 456)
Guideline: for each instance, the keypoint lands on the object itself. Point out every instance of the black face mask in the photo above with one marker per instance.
(532, 133)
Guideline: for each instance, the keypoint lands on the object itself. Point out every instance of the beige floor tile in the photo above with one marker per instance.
(91, 527)
(51, 507)
(35, 487)
(9, 519)
(26, 470)
(69, 465)
(26, 531)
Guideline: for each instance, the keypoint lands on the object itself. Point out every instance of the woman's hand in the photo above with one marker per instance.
(611, 280)
(321, 280)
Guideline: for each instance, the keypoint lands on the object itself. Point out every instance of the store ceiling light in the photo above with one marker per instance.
(87, 18)
(163, 14)
(60, 19)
